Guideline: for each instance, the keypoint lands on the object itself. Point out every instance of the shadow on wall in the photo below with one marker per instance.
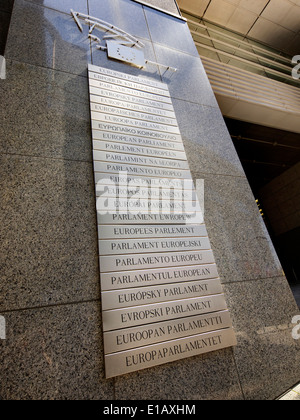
(6, 7)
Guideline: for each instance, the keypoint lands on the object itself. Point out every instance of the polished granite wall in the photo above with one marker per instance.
(49, 289)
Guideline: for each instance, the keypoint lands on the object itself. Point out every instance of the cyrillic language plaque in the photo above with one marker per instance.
(162, 299)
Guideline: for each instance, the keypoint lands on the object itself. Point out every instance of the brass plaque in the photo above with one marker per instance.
(157, 276)
(162, 298)
(145, 357)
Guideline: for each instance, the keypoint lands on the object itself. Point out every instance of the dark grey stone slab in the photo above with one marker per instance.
(190, 82)
(242, 247)
(265, 318)
(54, 353)
(48, 232)
(209, 377)
(45, 113)
(64, 6)
(125, 14)
(206, 140)
(47, 38)
(267, 357)
(170, 31)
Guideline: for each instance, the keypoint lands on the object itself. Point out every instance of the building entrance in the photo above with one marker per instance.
(271, 160)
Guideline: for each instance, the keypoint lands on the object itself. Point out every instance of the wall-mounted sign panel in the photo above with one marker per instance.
(162, 298)
(139, 278)
(128, 55)
(153, 260)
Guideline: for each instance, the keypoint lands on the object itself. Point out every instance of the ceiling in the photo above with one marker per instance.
(273, 22)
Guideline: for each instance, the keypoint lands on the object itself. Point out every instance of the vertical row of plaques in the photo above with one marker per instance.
(162, 299)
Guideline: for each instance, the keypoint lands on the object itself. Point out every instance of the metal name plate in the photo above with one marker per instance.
(162, 298)
(112, 191)
(121, 218)
(150, 231)
(136, 141)
(123, 178)
(133, 131)
(99, 100)
(130, 246)
(132, 114)
(154, 260)
(126, 91)
(128, 98)
(114, 119)
(141, 170)
(106, 205)
(141, 278)
(148, 314)
(129, 361)
(136, 337)
(139, 160)
(141, 296)
(128, 84)
(158, 128)
(128, 77)
(138, 150)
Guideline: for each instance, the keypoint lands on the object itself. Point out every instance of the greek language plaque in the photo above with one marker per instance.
(162, 298)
